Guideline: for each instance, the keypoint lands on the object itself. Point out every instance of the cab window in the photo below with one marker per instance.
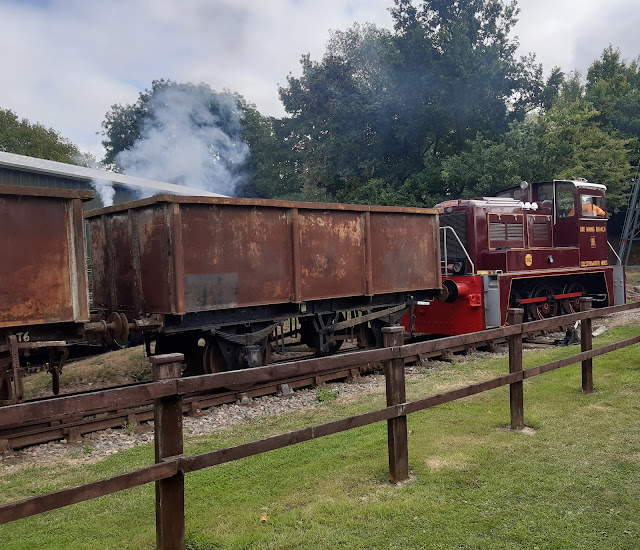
(544, 192)
(591, 207)
(564, 202)
(515, 193)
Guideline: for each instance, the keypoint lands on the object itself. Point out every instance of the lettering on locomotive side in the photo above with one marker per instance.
(593, 229)
(593, 263)
(528, 260)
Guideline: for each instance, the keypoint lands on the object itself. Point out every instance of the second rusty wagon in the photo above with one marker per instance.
(219, 273)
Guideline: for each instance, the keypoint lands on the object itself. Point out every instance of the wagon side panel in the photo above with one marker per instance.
(404, 253)
(39, 267)
(332, 254)
(156, 251)
(235, 256)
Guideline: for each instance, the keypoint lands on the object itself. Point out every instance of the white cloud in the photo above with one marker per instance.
(572, 34)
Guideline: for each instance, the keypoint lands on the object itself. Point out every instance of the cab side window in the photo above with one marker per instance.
(591, 207)
(564, 201)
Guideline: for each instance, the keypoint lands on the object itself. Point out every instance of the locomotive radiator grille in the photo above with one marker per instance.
(540, 232)
(505, 232)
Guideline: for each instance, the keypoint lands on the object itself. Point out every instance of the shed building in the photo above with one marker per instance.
(33, 172)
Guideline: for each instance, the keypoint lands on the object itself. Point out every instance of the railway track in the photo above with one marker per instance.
(72, 428)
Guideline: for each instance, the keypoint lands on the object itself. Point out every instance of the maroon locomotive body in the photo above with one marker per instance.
(540, 246)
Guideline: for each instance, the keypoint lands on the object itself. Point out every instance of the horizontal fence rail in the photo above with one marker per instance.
(167, 391)
(121, 397)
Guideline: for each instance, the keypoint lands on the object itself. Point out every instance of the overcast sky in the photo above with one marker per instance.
(63, 63)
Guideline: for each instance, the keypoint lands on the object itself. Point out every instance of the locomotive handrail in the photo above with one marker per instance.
(444, 233)
(619, 262)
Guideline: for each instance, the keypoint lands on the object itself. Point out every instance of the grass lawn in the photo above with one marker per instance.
(573, 483)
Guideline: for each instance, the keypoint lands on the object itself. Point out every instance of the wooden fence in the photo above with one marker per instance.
(168, 390)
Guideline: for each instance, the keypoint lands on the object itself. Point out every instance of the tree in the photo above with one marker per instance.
(566, 142)
(460, 62)
(379, 103)
(271, 166)
(338, 125)
(613, 86)
(21, 137)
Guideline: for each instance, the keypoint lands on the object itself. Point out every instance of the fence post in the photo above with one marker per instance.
(516, 394)
(396, 394)
(586, 341)
(167, 418)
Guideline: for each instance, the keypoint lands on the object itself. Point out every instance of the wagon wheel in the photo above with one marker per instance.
(365, 336)
(214, 360)
(542, 310)
(572, 305)
(6, 391)
(187, 344)
(311, 327)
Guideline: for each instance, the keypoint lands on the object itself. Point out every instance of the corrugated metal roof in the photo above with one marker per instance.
(21, 162)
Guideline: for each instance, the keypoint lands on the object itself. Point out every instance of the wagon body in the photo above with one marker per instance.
(176, 255)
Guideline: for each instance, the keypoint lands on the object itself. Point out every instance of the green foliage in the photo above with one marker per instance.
(366, 117)
(613, 86)
(22, 137)
(326, 395)
(437, 108)
(270, 168)
(129, 428)
(564, 142)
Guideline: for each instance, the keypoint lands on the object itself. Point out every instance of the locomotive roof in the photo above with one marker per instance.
(491, 201)
(577, 183)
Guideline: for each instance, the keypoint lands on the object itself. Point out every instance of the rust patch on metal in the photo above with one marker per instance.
(39, 268)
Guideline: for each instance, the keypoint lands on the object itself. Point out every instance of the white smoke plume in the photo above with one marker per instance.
(193, 137)
(105, 191)
(104, 188)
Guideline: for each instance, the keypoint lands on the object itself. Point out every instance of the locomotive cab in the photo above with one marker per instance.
(578, 210)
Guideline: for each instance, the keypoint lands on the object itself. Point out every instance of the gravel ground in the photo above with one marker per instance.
(97, 446)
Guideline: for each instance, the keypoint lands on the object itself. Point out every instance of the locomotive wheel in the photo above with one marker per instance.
(572, 305)
(515, 300)
(542, 310)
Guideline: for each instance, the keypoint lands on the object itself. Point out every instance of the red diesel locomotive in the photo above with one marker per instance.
(539, 246)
